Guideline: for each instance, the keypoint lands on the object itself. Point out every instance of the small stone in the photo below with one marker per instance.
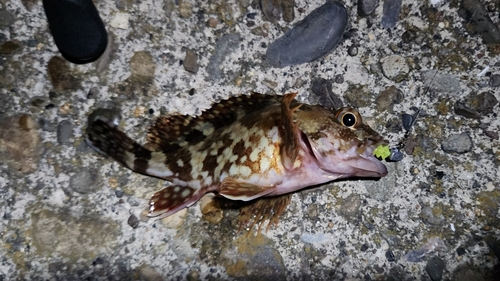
(484, 102)
(185, 9)
(271, 9)
(191, 62)
(64, 132)
(142, 66)
(462, 110)
(211, 209)
(260, 31)
(224, 46)
(491, 134)
(440, 82)
(139, 111)
(339, 79)
(322, 89)
(313, 37)
(389, 255)
(350, 207)
(460, 251)
(19, 143)
(388, 97)
(352, 51)
(60, 75)
(395, 67)
(212, 22)
(84, 181)
(133, 221)
(435, 267)
(6, 19)
(288, 10)
(312, 211)
(10, 47)
(458, 143)
(120, 20)
(390, 16)
(407, 120)
(478, 21)
(367, 7)
(494, 80)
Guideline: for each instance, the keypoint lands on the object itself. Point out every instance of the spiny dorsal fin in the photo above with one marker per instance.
(172, 132)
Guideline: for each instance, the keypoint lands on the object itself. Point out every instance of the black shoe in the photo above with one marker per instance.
(77, 29)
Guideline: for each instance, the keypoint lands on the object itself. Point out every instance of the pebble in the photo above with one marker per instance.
(133, 221)
(435, 267)
(271, 9)
(78, 239)
(84, 181)
(461, 251)
(350, 207)
(479, 22)
(19, 143)
(465, 111)
(352, 51)
(6, 19)
(389, 255)
(10, 47)
(224, 46)
(390, 16)
(313, 37)
(185, 9)
(395, 67)
(322, 89)
(407, 120)
(441, 82)
(494, 80)
(191, 62)
(288, 10)
(484, 102)
(388, 97)
(64, 132)
(212, 22)
(142, 66)
(458, 143)
(60, 75)
(120, 20)
(367, 7)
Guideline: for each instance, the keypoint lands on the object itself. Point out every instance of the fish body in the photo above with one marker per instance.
(244, 148)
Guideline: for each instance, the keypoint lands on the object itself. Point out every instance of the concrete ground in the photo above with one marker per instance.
(69, 213)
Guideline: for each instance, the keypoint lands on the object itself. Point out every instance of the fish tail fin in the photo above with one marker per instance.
(107, 139)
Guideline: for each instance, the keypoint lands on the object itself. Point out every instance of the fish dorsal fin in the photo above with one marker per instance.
(171, 132)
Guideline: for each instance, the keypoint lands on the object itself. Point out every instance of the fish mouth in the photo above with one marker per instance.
(357, 161)
(366, 162)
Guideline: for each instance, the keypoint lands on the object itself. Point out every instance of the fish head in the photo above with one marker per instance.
(341, 144)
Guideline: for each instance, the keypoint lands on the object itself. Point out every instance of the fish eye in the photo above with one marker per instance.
(348, 117)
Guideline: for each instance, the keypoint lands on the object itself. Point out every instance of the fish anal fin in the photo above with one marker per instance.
(172, 199)
(289, 148)
(238, 190)
(262, 209)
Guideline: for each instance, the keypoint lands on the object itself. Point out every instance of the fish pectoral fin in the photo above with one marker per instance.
(172, 199)
(289, 132)
(239, 190)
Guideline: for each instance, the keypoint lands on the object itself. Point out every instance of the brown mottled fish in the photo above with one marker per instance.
(244, 148)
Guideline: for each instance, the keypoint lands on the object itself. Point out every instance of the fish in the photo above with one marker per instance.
(244, 148)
